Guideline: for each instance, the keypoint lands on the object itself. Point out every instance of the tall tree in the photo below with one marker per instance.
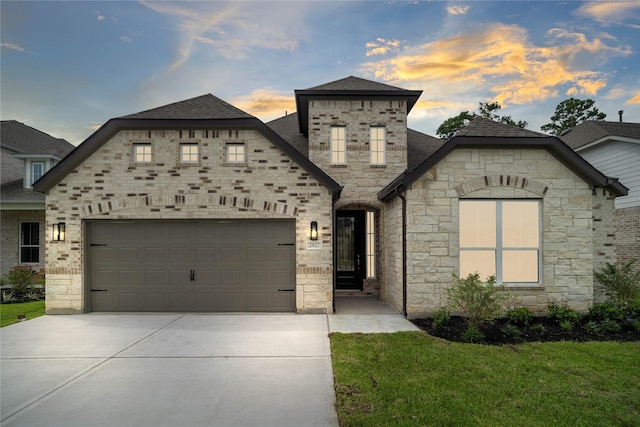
(570, 113)
(452, 125)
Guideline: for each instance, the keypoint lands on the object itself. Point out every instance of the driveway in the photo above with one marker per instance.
(167, 370)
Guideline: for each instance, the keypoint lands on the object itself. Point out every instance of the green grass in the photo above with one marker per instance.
(9, 312)
(413, 379)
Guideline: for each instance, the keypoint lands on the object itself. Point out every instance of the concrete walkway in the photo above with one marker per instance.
(179, 369)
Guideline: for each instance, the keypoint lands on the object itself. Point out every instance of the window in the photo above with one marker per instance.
(338, 145)
(189, 153)
(141, 153)
(29, 242)
(501, 238)
(378, 144)
(235, 153)
(371, 244)
(37, 170)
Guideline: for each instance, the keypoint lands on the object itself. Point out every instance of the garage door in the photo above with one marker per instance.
(192, 266)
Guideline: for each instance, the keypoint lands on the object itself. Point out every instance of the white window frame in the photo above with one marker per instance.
(24, 245)
(33, 171)
(378, 145)
(146, 156)
(187, 156)
(499, 249)
(236, 152)
(338, 145)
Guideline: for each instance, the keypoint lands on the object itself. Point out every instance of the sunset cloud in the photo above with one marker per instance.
(458, 9)
(266, 104)
(633, 100)
(382, 47)
(502, 59)
(609, 12)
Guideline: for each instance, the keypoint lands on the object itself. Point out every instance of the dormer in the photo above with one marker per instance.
(35, 166)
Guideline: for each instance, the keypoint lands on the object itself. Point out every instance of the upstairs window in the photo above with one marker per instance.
(235, 153)
(189, 153)
(501, 238)
(29, 242)
(338, 145)
(378, 145)
(142, 153)
(37, 170)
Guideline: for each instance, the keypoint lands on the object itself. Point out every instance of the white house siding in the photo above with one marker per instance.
(109, 186)
(567, 226)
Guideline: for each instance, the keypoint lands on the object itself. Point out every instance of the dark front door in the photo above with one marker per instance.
(350, 232)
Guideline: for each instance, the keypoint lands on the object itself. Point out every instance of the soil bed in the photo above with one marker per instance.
(498, 333)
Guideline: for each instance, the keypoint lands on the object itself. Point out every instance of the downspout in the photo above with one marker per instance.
(334, 244)
(404, 252)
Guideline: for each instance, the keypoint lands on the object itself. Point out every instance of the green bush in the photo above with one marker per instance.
(440, 318)
(477, 301)
(511, 330)
(519, 316)
(561, 313)
(473, 335)
(592, 327)
(619, 282)
(566, 325)
(608, 311)
(21, 281)
(538, 327)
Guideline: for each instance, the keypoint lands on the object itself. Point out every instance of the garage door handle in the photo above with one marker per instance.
(98, 244)
(192, 275)
(286, 290)
(286, 244)
(99, 290)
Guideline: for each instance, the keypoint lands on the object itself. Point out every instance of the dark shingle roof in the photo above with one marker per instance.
(24, 139)
(14, 192)
(592, 130)
(420, 147)
(484, 127)
(205, 107)
(287, 128)
(352, 83)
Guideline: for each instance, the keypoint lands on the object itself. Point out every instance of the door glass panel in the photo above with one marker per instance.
(346, 236)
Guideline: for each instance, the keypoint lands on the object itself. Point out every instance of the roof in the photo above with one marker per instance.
(204, 107)
(420, 147)
(592, 130)
(287, 128)
(484, 133)
(23, 139)
(14, 192)
(347, 88)
(203, 112)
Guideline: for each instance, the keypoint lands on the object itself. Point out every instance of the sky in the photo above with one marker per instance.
(67, 67)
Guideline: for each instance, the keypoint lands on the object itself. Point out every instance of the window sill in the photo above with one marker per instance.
(524, 287)
(377, 166)
(338, 166)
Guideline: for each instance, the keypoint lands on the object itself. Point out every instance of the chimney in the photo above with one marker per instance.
(620, 114)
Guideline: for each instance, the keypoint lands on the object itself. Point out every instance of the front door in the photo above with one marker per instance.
(350, 232)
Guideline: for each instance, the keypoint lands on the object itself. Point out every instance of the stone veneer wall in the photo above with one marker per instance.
(360, 179)
(568, 225)
(10, 234)
(391, 291)
(628, 234)
(109, 185)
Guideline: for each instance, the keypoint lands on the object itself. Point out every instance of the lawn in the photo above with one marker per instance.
(9, 312)
(413, 379)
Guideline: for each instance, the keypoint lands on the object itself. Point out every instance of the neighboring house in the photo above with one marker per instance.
(199, 206)
(614, 148)
(27, 154)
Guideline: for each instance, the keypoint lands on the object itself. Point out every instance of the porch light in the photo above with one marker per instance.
(314, 230)
(58, 232)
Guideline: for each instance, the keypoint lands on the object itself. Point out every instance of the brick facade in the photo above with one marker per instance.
(109, 185)
(628, 234)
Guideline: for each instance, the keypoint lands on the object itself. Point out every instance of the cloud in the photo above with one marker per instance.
(231, 29)
(12, 47)
(267, 104)
(382, 47)
(633, 100)
(99, 17)
(501, 59)
(609, 12)
(458, 9)
(126, 39)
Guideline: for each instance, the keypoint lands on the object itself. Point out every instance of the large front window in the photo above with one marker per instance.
(29, 242)
(338, 145)
(501, 238)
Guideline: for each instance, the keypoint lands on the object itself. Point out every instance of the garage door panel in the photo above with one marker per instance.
(237, 266)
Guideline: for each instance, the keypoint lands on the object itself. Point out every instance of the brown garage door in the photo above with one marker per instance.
(192, 265)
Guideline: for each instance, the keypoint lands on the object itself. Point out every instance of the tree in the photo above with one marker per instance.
(452, 125)
(570, 113)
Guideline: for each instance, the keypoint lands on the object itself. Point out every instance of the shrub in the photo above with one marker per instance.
(21, 281)
(538, 327)
(473, 335)
(511, 330)
(477, 301)
(608, 311)
(519, 316)
(592, 327)
(611, 326)
(566, 325)
(440, 318)
(619, 281)
(563, 312)
(9, 297)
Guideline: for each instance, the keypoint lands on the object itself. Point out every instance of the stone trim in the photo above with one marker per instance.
(514, 181)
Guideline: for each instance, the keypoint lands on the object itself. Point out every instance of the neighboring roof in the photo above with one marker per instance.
(203, 112)
(349, 87)
(485, 133)
(205, 107)
(287, 128)
(23, 139)
(14, 192)
(592, 130)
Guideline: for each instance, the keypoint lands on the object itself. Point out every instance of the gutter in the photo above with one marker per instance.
(404, 252)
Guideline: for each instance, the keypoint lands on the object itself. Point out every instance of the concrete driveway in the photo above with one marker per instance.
(167, 370)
